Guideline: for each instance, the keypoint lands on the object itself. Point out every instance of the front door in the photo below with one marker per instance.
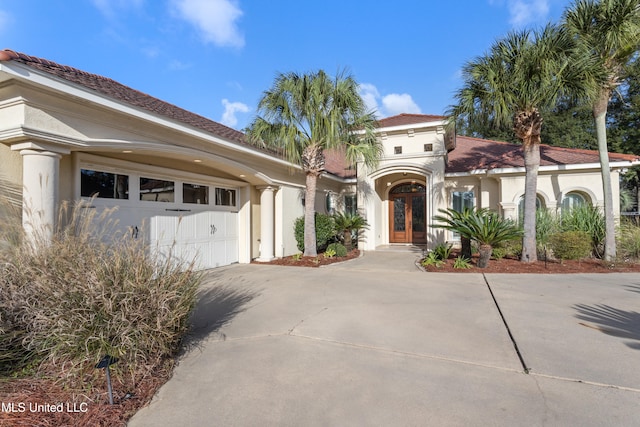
(407, 214)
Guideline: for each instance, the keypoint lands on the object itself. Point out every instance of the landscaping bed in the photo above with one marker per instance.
(304, 261)
(514, 265)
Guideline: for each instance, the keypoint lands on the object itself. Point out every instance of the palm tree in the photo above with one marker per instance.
(483, 226)
(522, 75)
(347, 223)
(610, 29)
(303, 115)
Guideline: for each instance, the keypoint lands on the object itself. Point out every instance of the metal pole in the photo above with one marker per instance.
(109, 385)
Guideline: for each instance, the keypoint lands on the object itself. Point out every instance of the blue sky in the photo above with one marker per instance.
(216, 57)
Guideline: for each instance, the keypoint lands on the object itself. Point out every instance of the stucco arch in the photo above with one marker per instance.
(589, 195)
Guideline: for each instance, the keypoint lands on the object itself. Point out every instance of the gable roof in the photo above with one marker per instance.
(112, 89)
(475, 153)
(408, 119)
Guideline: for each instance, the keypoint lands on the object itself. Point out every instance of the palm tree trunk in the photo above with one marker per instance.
(347, 239)
(465, 243)
(485, 255)
(531, 165)
(600, 117)
(309, 215)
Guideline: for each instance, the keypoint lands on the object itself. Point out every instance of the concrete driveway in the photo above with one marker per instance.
(374, 341)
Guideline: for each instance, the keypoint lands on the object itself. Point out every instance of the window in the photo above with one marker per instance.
(397, 150)
(330, 203)
(157, 190)
(461, 200)
(225, 197)
(428, 147)
(408, 188)
(197, 194)
(350, 204)
(539, 205)
(104, 185)
(572, 200)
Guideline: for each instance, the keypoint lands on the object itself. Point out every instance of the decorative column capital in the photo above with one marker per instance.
(267, 187)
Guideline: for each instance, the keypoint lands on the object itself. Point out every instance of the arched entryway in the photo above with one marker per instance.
(407, 214)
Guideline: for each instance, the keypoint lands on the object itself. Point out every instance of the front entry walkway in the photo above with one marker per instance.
(370, 342)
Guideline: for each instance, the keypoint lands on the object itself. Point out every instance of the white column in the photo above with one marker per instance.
(40, 180)
(267, 232)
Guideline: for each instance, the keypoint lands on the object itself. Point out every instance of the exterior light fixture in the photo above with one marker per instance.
(106, 361)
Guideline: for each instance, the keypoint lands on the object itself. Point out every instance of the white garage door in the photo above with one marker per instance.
(209, 238)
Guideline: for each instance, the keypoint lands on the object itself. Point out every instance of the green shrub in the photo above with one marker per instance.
(498, 252)
(443, 250)
(338, 249)
(79, 298)
(325, 231)
(571, 245)
(546, 225)
(586, 218)
(462, 263)
(629, 240)
(432, 259)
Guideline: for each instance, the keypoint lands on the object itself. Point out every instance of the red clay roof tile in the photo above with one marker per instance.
(408, 119)
(475, 153)
(113, 89)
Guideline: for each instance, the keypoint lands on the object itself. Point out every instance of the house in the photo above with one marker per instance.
(180, 179)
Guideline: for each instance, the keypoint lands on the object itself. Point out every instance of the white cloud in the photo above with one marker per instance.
(395, 103)
(176, 65)
(230, 110)
(216, 20)
(5, 19)
(370, 95)
(392, 104)
(525, 12)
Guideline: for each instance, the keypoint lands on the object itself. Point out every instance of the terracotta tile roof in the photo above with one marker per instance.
(120, 92)
(474, 153)
(408, 119)
(336, 164)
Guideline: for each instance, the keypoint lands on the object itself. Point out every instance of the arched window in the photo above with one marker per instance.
(539, 205)
(572, 200)
(409, 187)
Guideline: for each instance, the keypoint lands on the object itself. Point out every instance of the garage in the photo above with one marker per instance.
(188, 218)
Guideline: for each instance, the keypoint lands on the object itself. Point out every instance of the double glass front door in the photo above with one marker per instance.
(407, 214)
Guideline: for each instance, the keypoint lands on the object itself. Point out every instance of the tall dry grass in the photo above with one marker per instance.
(67, 301)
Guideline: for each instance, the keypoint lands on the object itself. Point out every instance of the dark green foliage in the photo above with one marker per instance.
(348, 225)
(570, 245)
(325, 231)
(443, 250)
(339, 249)
(483, 226)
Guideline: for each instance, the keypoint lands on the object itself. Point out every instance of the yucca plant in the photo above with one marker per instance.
(483, 226)
(347, 224)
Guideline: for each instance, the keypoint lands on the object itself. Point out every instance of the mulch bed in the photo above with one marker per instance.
(311, 261)
(33, 402)
(512, 265)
